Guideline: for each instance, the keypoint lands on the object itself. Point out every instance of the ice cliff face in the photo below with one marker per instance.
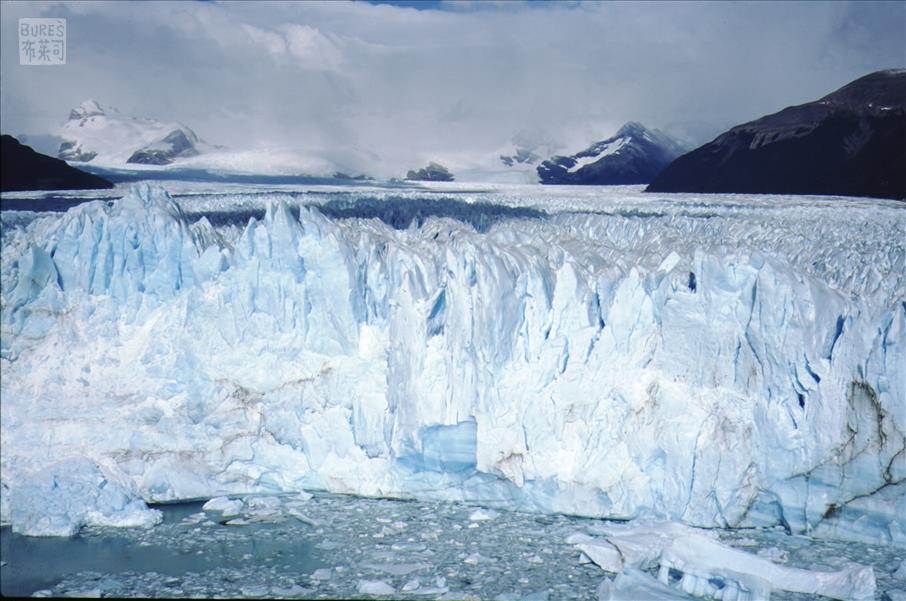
(713, 368)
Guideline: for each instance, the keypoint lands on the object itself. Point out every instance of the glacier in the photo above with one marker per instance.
(720, 363)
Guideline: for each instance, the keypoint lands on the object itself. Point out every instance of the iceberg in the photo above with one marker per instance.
(714, 363)
(701, 566)
(635, 585)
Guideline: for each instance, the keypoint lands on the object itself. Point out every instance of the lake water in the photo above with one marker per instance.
(331, 546)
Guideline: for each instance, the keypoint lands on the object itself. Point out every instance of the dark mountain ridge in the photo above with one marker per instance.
(21, 168)
(851, 142)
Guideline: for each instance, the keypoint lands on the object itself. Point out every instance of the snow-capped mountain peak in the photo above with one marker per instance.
(633, 128)
(634, 155)
(102, 135)
(89, 108)
(655, 136)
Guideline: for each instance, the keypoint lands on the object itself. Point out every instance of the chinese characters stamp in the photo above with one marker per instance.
(42, 41)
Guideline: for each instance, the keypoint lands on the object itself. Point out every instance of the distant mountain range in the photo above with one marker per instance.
(851, 142)
(103, 135)
(635, 155)
(522, 156)
(21, 168)
(434, 172)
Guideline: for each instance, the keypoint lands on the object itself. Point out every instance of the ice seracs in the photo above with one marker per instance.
(64, 496)
(743, 369)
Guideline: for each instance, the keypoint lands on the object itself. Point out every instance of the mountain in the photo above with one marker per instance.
(434, 172)
(635, 155)
(48, 144)
(851, 142)
(522, 156)
(21, 168)
(357, 178)
(104, 135)
(178, 143)
(528, 148)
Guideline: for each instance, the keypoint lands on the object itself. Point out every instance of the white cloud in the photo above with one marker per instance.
(313, 49)
(273, 42)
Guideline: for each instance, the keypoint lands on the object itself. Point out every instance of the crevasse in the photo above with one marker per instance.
(594, 364)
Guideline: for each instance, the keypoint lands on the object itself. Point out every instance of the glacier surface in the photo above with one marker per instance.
(722, 362)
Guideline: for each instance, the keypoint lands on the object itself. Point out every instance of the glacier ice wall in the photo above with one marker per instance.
(717, 369)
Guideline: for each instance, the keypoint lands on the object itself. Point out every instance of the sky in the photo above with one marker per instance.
(391, 85)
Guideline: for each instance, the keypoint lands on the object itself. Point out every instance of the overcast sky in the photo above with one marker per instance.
(403, 84)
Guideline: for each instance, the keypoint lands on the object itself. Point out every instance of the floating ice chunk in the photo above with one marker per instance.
(91, 593)
(322, 574)
(225, 506)
(408, 546)
(706, 555)
(636, 585)
(303, 518)
(294, 591)
(432, 591)
(266, 504)
(637, 544)
(264, 509)
(900, 572)
(894, 595)
(603, 553)
(398, 569)
(375, 587)
(411, 585)
(481, 515)
(477, 558)
(59, 499)
(720, 584)
(697, 563)
(256, 591)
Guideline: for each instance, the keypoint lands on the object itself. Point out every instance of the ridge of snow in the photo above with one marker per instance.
(609, 149)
